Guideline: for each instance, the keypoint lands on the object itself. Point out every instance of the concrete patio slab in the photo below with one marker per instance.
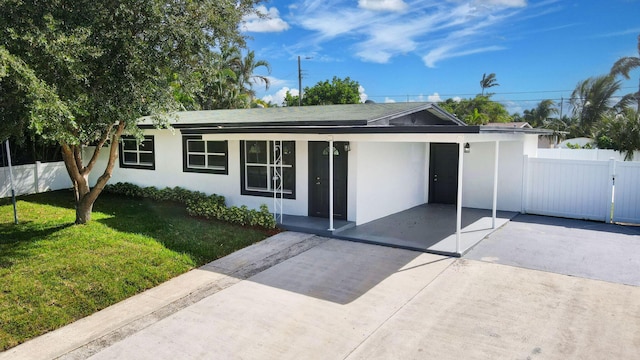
(428, 227)
(587, 249)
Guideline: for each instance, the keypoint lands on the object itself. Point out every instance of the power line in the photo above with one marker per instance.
(496, 93)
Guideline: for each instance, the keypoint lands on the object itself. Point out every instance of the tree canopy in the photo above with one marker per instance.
(83, 72)
(477, 111)
(338, 91)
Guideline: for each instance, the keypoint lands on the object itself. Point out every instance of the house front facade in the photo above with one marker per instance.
(384, 158)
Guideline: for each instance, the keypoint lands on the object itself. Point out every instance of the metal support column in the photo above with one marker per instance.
(331, 184)
(495, 186)
(459, 199)
(13, 191)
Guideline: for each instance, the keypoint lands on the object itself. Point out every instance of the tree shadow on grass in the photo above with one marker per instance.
(15, 240)
(60, 198)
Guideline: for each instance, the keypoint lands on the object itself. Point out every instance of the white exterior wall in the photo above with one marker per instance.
(387, 173)
(168, 173)
(478, 170)
(390, 178)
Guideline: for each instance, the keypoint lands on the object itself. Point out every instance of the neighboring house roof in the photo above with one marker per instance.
(410, 117)
(516, 125)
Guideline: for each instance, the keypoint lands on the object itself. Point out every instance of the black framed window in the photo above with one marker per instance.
(137, 154)
(204, 156)
(258, 167)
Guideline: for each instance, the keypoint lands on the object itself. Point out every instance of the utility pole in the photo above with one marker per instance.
(299, 83)
(300, 80)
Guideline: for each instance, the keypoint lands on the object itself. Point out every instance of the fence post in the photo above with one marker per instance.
(525, 183)
(611, 191)
(36, 176)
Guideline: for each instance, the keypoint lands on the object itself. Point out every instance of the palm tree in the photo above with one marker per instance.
(592, 99)
(624, 65)
(245, 71)
(488, 81)
(537, 116)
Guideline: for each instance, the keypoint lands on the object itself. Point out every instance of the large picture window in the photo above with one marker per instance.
(258, 166)
(204, 156)
(137, 154)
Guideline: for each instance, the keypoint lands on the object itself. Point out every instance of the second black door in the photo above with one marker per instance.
(319, 179)
(443, 172)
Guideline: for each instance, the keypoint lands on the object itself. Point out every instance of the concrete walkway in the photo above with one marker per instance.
(301, 296)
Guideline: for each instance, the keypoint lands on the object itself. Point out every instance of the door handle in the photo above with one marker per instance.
(435, 178)
(318, 180)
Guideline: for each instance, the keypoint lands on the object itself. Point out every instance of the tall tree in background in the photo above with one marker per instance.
(593, 98)
(106, 64)
(477, 111)
(338, 91)
(488, 81)
(246, 73)
(624, 65)
(539, 115)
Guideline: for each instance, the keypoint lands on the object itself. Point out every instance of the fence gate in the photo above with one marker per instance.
(626, 200)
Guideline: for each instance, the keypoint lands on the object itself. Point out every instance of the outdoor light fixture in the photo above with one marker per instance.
(347, 147)
(467, 148)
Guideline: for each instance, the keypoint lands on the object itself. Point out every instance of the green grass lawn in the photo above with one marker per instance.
(53, 272)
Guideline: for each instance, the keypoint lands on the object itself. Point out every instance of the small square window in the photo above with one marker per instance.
(137, 154)
(204, 156)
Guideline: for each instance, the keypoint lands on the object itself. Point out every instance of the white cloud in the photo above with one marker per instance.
(436, 30)
(363, 95)
(382, 5)
(269, 22)
(389, 100)
(278, 97)
(435, 97)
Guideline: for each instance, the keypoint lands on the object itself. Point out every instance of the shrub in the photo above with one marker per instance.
(199, 204)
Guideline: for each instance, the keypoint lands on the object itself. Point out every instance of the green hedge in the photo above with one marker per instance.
(199, 204)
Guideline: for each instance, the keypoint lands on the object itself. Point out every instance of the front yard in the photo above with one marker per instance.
(53, 272)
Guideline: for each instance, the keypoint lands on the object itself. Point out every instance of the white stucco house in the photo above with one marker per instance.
(386, 158)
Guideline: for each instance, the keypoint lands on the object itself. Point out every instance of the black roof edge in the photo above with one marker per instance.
(430, 129)
(265, 124)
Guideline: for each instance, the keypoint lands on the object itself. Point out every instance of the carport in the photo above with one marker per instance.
(431, 228)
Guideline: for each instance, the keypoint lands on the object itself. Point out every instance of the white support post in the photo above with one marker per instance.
(525, 184)
(331, 184)
(611, 194)
(459, 199)
(495, 186)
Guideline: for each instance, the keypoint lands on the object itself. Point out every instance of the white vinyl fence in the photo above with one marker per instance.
(34, 178)
(583, 189)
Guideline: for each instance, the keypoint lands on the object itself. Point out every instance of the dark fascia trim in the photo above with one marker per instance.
(501, 130)
(431, 129)
(139, 167)
(270, 124)
(185, 168)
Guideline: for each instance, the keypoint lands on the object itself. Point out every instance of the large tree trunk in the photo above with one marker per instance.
(84, 195)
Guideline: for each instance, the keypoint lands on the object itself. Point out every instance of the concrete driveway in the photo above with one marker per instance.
(300, 296)
(586, 249)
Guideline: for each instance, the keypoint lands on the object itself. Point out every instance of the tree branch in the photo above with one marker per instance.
(94, 158)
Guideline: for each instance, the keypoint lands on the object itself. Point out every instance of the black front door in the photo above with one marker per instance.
(443, 173)
(319, 179)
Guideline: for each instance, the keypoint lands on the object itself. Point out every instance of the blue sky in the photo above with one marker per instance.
(404, 50)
